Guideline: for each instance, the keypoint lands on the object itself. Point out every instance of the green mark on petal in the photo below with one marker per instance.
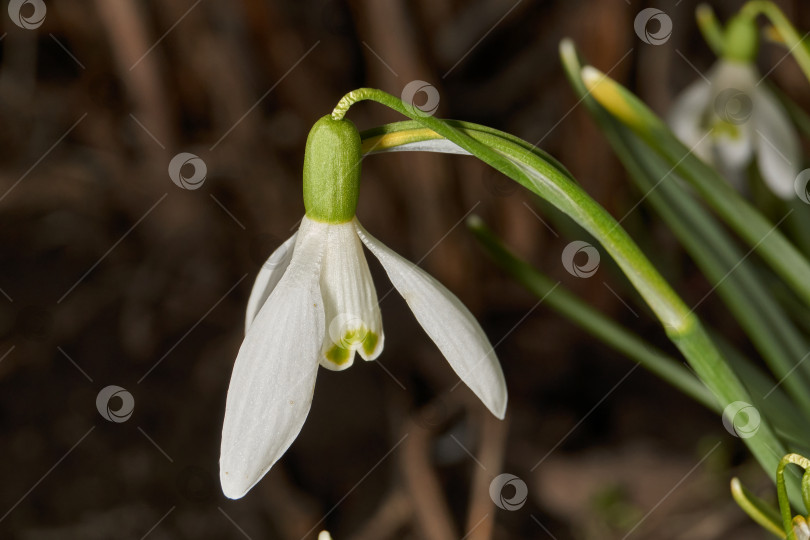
(726, 129)
(338, 355)
(342, 352)
(370, 343)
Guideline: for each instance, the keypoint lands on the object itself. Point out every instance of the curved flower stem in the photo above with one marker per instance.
(806, 489)
(781, 490)
(559, 189)
(711, 28)
(791, 37)
(757, 311)
(518, 161)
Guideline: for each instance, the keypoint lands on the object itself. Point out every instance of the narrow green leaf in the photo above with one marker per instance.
(750, 224)
(548, 181)
(556, 296)
(757, 509)
(727, 268)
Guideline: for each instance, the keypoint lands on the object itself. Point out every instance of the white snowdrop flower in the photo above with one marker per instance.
(732, 117)
(314, 303)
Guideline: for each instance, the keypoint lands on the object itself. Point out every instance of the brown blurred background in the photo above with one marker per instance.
(112, 275)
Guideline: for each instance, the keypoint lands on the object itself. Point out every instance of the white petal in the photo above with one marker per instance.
(268, 278)
(439, 146)
(448, 323)
(734, 152)
(778, 148)
(731, 116)
(274, 374)
(686, 119)
(353, 320)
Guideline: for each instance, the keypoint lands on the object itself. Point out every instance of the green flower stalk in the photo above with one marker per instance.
(781, 523)
(792, 39)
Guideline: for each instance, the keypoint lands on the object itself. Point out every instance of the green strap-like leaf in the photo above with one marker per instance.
(613, 334)
(747, 221)
(549, 182)
(776, 337)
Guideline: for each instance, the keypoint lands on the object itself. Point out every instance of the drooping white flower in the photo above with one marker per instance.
(314, 303)
(734, 117)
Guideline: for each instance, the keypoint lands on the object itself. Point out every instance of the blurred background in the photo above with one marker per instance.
(111, 274)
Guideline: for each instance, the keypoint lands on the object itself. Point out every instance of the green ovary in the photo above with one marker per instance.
(332, 171)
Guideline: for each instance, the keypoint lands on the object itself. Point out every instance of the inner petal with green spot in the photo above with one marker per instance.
(726, 129)
(341, 353)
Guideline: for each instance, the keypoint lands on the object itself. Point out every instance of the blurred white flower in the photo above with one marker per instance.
(801, 528)
(314, 303)
(733, 118)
